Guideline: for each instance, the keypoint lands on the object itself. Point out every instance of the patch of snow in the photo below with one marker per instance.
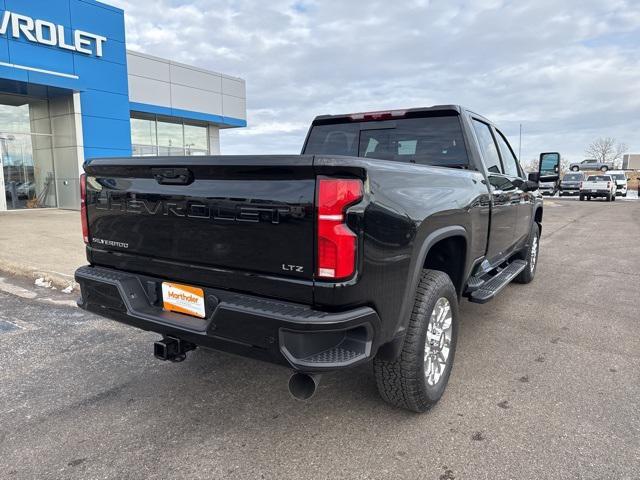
(41, 282)
(69, 289)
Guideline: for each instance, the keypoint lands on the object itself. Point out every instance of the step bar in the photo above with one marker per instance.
(490, 288)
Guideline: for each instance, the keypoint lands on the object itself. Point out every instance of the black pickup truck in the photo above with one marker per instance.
(358, 249)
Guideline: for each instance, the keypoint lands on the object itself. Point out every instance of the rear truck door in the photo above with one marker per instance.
(504, 194)
(525, 200)
(249, 216)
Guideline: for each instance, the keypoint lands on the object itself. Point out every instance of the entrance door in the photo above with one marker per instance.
(27, 179)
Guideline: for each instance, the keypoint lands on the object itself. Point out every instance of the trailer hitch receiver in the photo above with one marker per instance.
(172, 349)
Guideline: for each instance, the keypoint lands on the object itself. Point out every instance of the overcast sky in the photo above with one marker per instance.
(568, 70)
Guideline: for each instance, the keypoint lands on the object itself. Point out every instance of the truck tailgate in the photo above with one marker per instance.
(248, 214)
(595, 185)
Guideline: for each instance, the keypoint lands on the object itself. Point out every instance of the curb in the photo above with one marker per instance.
(58, 280)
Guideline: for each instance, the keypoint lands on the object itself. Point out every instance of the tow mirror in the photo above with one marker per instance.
(527, 185)
(549, 167)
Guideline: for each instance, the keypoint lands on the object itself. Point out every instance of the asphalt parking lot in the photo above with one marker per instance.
(546, 385)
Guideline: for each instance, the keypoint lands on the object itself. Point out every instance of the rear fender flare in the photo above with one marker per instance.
(391, 350)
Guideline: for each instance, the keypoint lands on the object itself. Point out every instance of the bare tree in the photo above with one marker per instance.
(606, 149)
(533, 164)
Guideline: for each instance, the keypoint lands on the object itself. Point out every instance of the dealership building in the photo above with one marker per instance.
(70, 91)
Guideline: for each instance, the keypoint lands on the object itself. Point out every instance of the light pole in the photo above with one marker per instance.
(520, 145)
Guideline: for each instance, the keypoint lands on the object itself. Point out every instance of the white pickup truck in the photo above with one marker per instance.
(598, 186)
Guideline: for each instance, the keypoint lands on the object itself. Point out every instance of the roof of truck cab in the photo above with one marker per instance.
(434, 108)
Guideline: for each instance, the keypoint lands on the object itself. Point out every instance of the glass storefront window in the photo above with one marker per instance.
(170, 138)
(195, 140)
(143, 137)
(160, 136)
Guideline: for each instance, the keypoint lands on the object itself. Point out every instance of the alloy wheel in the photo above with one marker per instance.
(534, 253)
(437, 346)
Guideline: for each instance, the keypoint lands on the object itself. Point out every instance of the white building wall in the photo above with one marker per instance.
(164, 83)
(214, 140)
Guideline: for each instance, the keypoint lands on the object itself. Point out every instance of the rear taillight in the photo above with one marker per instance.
(337, 244)
(83, 207)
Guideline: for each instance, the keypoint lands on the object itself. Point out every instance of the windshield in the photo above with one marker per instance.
(599, 178)
(572, 177)
(428, 141)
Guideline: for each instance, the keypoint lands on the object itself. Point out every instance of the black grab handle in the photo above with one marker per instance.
(172, 176)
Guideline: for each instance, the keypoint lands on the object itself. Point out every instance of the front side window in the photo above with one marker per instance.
(488, 146)
(508, 158)
(434, 141)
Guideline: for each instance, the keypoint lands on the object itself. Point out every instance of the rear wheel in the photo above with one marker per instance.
(418, 377)
(588, 198)
(582, 198)
(575, 169)
(613, 198)
(530, 254)
(604, 168)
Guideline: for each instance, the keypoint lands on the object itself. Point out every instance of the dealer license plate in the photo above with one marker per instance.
(183, 299)
(594, 191)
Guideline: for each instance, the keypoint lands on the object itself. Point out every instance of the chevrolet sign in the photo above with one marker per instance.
(48, 33)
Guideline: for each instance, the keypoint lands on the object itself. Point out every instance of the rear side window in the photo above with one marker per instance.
(572, 177)
(488, 146)
(428, 141)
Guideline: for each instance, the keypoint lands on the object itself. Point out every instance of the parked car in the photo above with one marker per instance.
(598, 186)
(549, 188)
(591, 164)
(570, 184)
(358, 249)
(8, 186)
(621, 181)
(26, 190)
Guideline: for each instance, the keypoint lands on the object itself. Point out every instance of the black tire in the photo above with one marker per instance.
(613, 198)
(588, 198)
(604, 168)
(624, 195)
(582, 198)
(575, 169)
(609, 198)
(402, 382)
(528, 274)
